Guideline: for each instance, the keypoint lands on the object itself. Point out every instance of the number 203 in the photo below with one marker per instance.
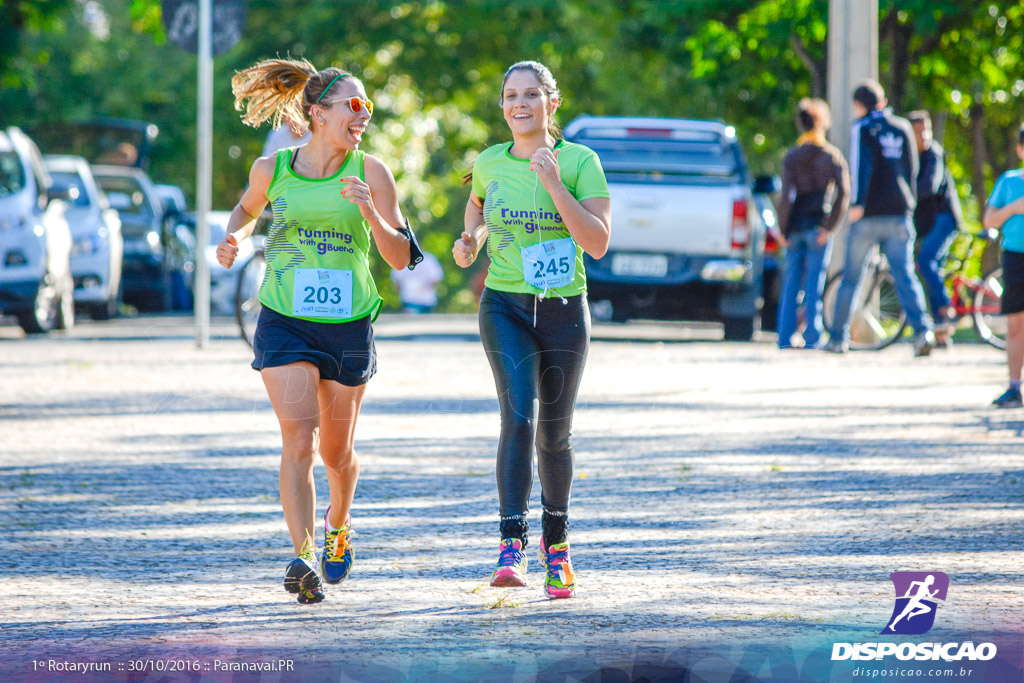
(321, 295)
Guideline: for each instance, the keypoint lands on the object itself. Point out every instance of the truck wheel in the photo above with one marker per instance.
(772, 291)
(740, 329)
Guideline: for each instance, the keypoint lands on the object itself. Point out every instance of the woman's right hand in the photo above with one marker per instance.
(227, 250)
(464, 250)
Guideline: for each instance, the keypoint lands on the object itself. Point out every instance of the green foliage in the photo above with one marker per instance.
(19, 21)
(434, 68)
(961, 61)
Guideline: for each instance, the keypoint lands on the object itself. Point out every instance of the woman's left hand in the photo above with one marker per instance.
(545, 163)
(358, 192)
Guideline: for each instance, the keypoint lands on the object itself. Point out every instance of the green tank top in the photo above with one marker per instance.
(318, 247)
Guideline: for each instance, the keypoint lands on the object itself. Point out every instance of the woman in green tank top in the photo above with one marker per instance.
(314, 343)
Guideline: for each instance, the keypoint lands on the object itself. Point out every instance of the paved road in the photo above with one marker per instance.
(729, 499)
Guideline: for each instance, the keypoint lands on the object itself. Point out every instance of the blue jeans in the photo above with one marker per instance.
(895, 236)
(804, 271)
(932, 256)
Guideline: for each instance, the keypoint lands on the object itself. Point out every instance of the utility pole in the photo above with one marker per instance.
(193, 26)
(852, 58)
(204, 173)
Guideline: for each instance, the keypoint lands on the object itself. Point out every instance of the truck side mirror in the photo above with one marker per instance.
(766, 184)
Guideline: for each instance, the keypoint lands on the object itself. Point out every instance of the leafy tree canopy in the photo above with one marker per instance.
(434, 68)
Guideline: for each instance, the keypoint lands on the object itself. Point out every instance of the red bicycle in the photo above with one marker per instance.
(878, 320)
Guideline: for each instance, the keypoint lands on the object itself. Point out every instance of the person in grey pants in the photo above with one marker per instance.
(883, 173)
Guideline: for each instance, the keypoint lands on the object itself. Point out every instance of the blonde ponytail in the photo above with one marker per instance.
(274, 90)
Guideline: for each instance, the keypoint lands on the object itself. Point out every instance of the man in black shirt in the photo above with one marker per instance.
(815, 195)
(883, 174)
(936, 218)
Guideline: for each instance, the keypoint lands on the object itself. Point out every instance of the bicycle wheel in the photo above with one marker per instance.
(990, 325)
(876, 316)
(247, 303)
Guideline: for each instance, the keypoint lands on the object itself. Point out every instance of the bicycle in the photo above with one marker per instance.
(247, 302)
(878, 320)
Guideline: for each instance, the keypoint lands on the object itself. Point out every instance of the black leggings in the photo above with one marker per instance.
(537, 371)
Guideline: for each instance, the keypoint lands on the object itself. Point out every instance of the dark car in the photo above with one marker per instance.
(159, 254)
(108, 141)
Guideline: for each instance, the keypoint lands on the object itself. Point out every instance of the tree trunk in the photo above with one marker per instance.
(980, 156)
(1012, 160)
(939, 119)
(899, 58)
(817, 69)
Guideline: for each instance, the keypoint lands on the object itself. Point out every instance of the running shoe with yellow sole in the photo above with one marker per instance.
(511, 569)
(302, 575)
(338, 556)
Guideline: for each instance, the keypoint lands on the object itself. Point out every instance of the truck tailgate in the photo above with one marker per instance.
(656, 218)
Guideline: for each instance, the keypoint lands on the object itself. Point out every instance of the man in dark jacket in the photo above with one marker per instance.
(883, 173)
(936, 219)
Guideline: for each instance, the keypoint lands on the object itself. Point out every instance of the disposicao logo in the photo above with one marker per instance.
(917, 597)
(917, 594)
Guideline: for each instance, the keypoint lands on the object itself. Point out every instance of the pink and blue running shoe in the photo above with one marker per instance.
(560, 581)
(511, 569)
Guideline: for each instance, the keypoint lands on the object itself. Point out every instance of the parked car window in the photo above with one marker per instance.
(71, 183)
(12, 176)
(126, 196)
(633, 160)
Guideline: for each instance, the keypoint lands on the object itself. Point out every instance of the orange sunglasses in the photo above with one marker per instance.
(356, 104)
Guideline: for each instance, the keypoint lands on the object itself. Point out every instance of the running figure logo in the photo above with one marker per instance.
(916, 596)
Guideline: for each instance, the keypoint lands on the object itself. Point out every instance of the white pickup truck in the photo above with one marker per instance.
(689, 225)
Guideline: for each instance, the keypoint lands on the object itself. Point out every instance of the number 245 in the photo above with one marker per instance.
(552, 268)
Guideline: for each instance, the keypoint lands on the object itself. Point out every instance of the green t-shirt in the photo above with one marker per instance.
(516, 204)
(318, 247)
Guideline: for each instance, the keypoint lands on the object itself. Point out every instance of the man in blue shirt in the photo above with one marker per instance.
(1005, 211)
(883, 174)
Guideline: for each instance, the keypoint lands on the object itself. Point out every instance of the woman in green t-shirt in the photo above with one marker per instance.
(314, 343)
(539, 203)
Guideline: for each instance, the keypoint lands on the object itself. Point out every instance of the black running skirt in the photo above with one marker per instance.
(343, 352)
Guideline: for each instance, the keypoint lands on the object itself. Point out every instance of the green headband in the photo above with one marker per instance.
(341, 75)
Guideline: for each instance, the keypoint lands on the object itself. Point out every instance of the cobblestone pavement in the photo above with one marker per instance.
(725, 495)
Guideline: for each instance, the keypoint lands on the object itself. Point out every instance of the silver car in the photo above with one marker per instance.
(97, 246)
(35, 240)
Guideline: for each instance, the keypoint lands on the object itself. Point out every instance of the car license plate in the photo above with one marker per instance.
(644, 265)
